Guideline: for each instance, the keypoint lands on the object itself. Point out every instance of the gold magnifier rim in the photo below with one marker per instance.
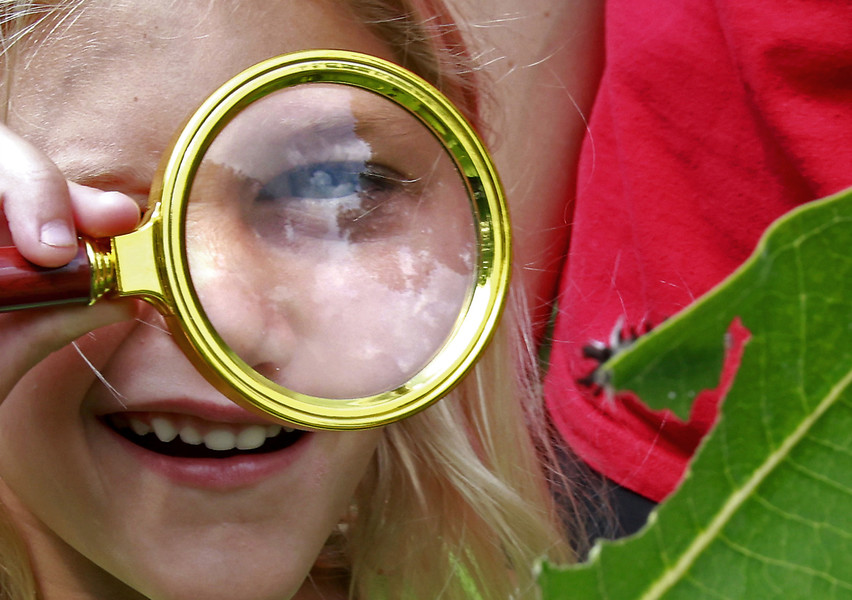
(222, 366)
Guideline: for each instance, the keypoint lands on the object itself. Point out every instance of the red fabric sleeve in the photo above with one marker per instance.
(713, 119)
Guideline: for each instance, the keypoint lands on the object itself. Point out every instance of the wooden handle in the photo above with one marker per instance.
(25, 285)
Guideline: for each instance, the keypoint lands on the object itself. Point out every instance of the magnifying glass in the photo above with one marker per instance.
(327, 240)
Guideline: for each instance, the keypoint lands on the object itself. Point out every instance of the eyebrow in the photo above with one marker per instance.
(381, 115)
(400, 122)
(366, 127)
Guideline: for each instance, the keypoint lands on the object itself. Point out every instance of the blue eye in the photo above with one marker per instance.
(349, 200)
(331, 180)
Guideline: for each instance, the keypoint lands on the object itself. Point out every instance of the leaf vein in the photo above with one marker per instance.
(790, 516)
(827, 481)
(707, 590)
(777, 562)
(828, 444)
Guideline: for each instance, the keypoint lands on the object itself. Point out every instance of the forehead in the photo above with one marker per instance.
(150, 42)
(100, 28)
(138, 68)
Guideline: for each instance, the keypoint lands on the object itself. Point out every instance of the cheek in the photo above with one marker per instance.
(38, 422)
(343, 463)
(44, 415)
(44, 421)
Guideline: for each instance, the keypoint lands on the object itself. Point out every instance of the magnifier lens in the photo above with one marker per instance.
(330, 240)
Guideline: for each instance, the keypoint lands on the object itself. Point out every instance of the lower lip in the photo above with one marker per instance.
(215, 473)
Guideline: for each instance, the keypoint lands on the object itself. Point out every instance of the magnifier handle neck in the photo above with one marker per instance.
(25, 285)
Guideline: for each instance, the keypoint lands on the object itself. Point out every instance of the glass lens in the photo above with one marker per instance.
(331, 240)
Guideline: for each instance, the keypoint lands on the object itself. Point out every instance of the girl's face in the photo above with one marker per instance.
(102, 94)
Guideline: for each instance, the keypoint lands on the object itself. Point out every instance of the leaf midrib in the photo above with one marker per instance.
(738, 498)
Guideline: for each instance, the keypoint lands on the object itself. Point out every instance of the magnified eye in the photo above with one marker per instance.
(321, 181)
(349, 200)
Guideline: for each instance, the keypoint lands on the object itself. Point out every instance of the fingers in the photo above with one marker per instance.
(99, 214)
(28, 337)
(45, 212)
(36, 203)
(42, 213)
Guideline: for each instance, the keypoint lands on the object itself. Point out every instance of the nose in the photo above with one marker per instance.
(251, 304)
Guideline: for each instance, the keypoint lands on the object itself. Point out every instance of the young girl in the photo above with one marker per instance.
(451, 503)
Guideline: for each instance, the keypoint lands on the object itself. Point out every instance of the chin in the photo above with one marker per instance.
(240, 564)
(227, 582)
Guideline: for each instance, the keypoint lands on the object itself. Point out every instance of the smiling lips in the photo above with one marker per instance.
(180, 435)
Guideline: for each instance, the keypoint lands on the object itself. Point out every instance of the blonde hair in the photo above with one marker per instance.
(461, 490)
(458, 502)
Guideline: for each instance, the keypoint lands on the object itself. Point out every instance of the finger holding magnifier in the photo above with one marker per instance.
(44, 212)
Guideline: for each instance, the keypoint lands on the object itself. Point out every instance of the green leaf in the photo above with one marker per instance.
(766, 510)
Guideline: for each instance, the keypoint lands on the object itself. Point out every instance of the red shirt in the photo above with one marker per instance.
(713, 118)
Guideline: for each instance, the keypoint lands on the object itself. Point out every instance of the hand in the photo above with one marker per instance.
(41, 214)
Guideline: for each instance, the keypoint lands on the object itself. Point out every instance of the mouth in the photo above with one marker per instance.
(183, 436)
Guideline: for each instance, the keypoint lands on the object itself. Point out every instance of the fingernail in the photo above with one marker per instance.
(57, 234)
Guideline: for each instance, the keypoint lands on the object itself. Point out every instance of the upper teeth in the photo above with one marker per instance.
(221, 438)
